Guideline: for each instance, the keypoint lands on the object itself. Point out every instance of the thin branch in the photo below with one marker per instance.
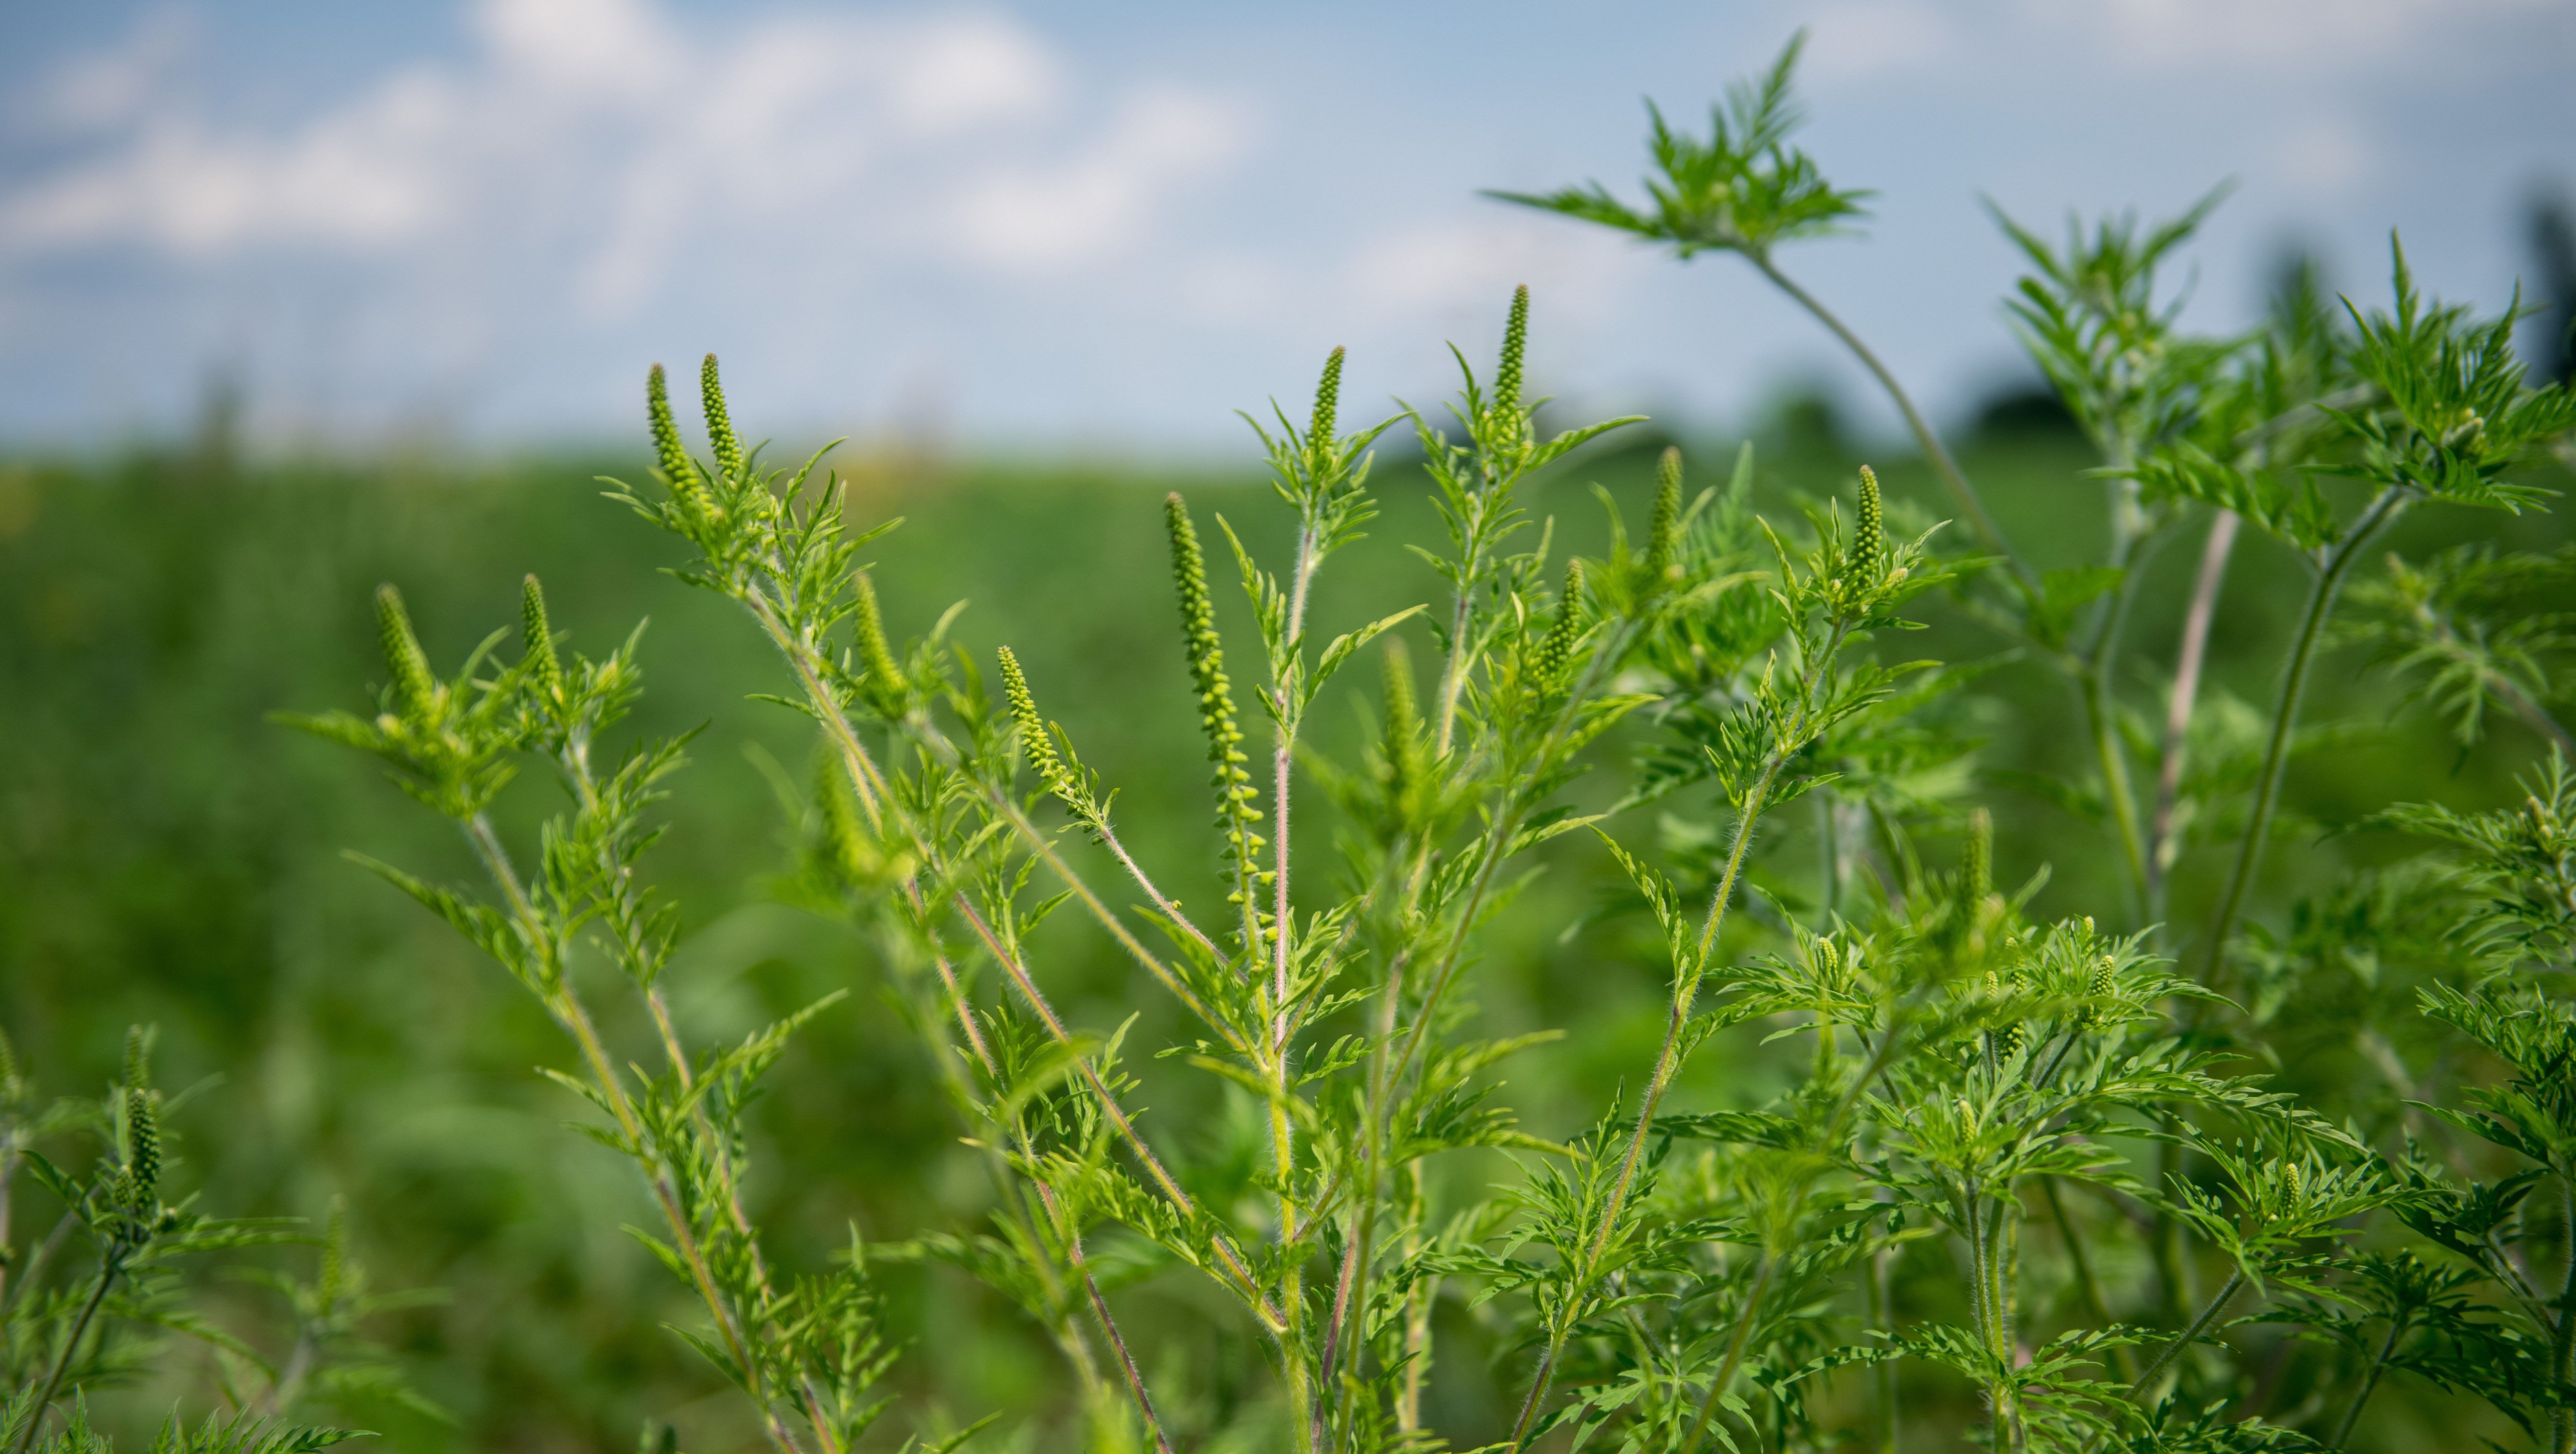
(1181, 1201)
(1961, 492)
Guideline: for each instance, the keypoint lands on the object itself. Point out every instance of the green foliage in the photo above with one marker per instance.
(1914, 1138)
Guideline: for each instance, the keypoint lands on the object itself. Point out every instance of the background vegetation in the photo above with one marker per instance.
(167, 855)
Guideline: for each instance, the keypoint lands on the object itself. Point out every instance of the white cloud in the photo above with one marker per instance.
(605, 128)
(1863, 39)
(1860, 40)
(110, 88)
(2278, 35)
(1082, 205)
(2321, 154)
(578, 48)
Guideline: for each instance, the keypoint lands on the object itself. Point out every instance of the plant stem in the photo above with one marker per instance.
(1282, 1136)
(1685, 995)
(1281, 683)
(1734, 1353)
(2369, 1381)
(1236, 1267)
(2276, 753)
(1162, 905)
(1961, 491)
(2188, 661)
(2208, 1314)
(945, 1056)
(2098, 683)
(109, 1265)
(2084, 1279)
(2562, 1333)
(1108, 1324)
(569, 1012)
(37, 1259)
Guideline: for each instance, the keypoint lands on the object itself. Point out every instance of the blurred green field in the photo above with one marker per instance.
(168, 855)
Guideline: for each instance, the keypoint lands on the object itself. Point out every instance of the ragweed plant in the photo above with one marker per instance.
(1908, 1154)
(86, 1305)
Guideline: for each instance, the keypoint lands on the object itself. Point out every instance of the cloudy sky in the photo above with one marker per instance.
(1111, 222)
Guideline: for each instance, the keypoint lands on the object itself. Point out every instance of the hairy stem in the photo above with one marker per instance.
(2276, 752)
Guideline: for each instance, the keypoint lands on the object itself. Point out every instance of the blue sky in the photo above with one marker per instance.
(1109, 225)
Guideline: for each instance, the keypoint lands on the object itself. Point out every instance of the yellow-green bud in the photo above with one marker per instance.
(1507, 374)
(138, 1058)
(1328, 403)
(1235, 810)
(1868, 559)
(875, 656)
(1977, 872)
(1663, 533)
(414, 687)
(678, 470)
(143, 1141)
(1557, 648)
(1036, 743)
(543, 669)
(728, 445)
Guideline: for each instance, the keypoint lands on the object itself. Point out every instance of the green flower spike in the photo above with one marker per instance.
(1507, 375)
(1558, 647)
(874, 654)
(1036, 743)
(728, 445)
(1867, 563)
(543, 669)
(688, 492)
(1663, 534)
(415, 689)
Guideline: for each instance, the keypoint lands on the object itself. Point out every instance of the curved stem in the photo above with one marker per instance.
(1961, 491)
(2285, 714)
